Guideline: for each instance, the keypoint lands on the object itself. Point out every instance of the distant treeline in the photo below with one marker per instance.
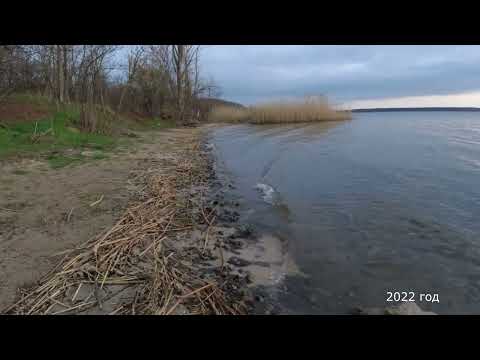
(416, 109)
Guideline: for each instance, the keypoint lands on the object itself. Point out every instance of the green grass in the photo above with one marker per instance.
(16, 139)
(59, 133)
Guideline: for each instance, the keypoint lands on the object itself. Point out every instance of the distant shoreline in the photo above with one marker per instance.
(416, 109)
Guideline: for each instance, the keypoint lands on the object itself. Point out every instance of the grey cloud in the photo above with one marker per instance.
(254, 73)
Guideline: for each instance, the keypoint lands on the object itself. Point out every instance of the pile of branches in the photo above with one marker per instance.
(141, 255)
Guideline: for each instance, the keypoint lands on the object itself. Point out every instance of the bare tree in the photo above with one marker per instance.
(134, 59)
(158, 79)
(186, 72)
(91, 70)
(180, 65)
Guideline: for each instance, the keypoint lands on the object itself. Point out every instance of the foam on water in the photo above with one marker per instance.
(210, 147)
(268, 192)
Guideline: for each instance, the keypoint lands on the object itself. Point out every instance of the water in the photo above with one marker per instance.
(385, 202)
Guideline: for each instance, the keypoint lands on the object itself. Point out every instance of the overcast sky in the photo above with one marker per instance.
(358, 76)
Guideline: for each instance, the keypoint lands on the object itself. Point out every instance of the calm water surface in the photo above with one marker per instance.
(385, 202)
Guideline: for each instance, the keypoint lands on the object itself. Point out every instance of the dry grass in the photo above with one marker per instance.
(228, 114)
(280, 112)
(141, 254)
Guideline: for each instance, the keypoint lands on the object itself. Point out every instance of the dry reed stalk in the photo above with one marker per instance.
(141, 240)
(97, 202)
(308, 110)
(69, 215)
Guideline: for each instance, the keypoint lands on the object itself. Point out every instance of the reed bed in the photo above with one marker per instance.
(140, 257)
(228, 114)
(280, 112)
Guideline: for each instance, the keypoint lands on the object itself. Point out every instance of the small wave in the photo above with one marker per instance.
(474, 163)
(268, 192)
(464, 140)
(210, 147)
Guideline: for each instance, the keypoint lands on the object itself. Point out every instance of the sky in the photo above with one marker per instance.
(351, 76)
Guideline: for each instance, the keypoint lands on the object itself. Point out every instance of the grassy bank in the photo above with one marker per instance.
(31, 126)
(279, 112)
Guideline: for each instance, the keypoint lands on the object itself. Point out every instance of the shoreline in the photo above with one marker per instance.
(174, 251)
(181, 247)
(249, 250)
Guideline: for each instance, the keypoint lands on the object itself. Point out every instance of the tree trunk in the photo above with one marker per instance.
(66, 76)
(179, 62)
(122, 95)
(60, 75)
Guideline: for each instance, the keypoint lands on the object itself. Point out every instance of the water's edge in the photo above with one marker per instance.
(260, 253)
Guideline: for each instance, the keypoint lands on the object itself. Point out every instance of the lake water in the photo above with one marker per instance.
(384, 202)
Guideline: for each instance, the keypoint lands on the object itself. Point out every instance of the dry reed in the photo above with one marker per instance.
(280, 112)
(139, 254)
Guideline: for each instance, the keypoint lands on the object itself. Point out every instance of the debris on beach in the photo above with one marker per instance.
(141, 265)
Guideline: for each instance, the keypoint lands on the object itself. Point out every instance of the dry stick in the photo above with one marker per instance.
(206, 239)
(74, 307)
(213, 306)
(97, 201)
(113, 282)
(188, 295)
(58, 302)
(39, 303)
(116, 310)
(182, 228)
(204, 216)
(73, 261)
(95, 291)
(209, 222)
(106, 256)
(76, 292)
(113, 229)
(134, 302)
(5, 209)
(202, 304)
(113, 242)
(213, 292)
(221, 254)
(150, 246)
(110, 268)
(164, 307)
(69, 215)
(198, 290)
(48, 309)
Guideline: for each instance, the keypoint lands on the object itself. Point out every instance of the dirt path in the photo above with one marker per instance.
(44, 211)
